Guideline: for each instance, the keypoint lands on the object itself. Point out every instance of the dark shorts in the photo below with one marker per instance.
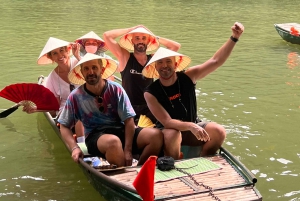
(142, 110)
(91, 140)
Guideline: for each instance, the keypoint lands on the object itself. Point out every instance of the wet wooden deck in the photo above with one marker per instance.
(228, 184)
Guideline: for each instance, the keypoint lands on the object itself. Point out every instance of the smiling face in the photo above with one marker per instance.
(140, 41)
(59, 55)
(91, 71)
(165, 67)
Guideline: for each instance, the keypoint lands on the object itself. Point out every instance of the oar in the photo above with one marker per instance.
(117, 78)
(8, 111)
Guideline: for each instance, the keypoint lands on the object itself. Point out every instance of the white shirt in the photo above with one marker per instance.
(58, 86)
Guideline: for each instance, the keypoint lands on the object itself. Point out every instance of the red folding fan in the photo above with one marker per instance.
(31, 94)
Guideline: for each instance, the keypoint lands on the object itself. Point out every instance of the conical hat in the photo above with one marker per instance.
(125, 40)
(75, 76)
(51, 44)
(181, 60)
(92, 35)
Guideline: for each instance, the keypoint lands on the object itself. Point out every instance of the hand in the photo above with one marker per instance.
(76, 154)
(29, 109)
(128, 158)
(237, 30)
(75, 50)
(200, 133)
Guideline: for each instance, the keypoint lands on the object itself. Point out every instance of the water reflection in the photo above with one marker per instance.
(293, 60)
(8, 125)
(293, 64)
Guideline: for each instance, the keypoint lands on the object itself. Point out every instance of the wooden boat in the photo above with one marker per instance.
(230, 181)
(286, 32)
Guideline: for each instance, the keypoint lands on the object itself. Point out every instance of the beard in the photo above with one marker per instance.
(166, 72)
(140, 47)
(92, 79)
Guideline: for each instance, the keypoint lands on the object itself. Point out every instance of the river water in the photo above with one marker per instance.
(254, 95)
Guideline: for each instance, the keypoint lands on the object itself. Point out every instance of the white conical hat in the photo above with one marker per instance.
(92, 35)
(110, 66)
(51, 44)
(125, 40)
(150, 70)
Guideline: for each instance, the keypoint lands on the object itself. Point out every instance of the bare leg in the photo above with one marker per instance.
(151, 139)
(172, 141)
(111, 146)
(217, 135)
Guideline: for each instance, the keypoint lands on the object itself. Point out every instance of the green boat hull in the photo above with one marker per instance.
(287, 36)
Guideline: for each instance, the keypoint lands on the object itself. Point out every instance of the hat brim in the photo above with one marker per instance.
(125, 40)
(110, 66)
(182, 61)
(52, 43)
(102, 47)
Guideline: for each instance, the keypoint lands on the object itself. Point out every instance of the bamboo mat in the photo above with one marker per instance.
(191, 166)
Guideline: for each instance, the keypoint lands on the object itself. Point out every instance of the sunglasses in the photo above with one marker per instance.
(100, 101)
(72, 87)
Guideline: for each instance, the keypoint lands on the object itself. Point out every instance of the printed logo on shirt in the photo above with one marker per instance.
(175, 96)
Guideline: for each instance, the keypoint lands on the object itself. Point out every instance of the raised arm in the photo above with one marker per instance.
(219, 58)
(120, 53)
(169, 44)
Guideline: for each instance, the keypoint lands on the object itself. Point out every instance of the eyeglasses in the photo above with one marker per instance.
(72, 87)
(100, 101)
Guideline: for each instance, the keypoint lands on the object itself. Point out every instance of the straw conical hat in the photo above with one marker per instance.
(75, 76)
(92, 35)
(51, 44)
(181, 60)
(125, 40)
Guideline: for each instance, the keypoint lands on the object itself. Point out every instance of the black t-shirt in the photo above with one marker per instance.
(179, 99)
(134, 82)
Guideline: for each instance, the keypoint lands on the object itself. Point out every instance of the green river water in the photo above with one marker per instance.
(254, 95)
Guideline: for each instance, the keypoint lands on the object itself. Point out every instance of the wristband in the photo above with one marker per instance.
(234, 39)
(74, 148)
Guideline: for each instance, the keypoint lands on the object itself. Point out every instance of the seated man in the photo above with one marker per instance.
(172, 98)
(107, 116)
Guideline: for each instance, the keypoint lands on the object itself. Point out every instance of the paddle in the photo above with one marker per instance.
(117, 78)
(8, 111)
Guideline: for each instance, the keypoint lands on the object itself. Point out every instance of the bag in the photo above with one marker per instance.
(165, 163)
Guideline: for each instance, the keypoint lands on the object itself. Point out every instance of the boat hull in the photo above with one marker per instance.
(284, 31)
(233, 181)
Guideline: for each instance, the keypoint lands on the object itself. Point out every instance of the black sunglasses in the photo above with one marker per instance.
(72, 87)
(100, 101)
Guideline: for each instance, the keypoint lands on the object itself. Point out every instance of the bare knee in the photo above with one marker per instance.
(216, 132)
(110, 142)
(151, 136)
(171, 136)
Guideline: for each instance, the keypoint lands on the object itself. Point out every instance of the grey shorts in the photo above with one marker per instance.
(91, 140)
